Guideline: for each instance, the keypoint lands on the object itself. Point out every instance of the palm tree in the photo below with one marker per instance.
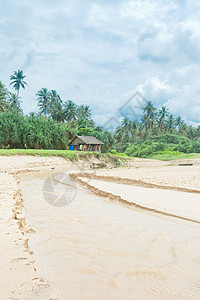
(54, 98)
(91, 123)
(55, 103)
(3, 98)
(133, 126)
(191, 132)
(170, 122)
(182, 129)
(84, 112)
(70, 110)
(14, 102)
(57, 112)
(43, 97)
(162, 114)
(32, 115)
(118, 134)
(3, 91)
(178, 121)
(98, 129)
(17, 80)
(124, 122)
(4, 106)
(149, 115)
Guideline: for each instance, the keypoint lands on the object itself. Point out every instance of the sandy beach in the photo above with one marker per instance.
(96, 247)
(19, 278)
(100, 150)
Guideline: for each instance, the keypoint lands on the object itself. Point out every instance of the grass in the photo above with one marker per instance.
(67, 154)
(172, 155)
(71, 155)
(115, 153)
(75, 155)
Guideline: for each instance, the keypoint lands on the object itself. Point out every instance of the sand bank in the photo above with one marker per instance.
(97, 248)
(160, 173)
(176, 202)
(93, 248)
(19, 278)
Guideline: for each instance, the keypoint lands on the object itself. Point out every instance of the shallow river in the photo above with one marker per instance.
(90, 247)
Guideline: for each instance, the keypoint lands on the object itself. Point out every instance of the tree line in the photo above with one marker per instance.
(58, 121)
(157, 130)
(52, 127)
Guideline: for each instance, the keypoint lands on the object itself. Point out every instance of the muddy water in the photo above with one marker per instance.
(94, 248)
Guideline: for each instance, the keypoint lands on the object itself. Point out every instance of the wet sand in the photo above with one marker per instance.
(160, 173)
(177, 203)
(94, 247)
(19, 278)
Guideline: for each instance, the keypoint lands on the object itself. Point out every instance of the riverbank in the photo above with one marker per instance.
(20, 276)
(95, 247)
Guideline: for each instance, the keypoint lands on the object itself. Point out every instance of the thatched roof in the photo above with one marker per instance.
(88, 140)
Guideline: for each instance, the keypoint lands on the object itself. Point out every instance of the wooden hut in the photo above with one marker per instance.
(85, 143)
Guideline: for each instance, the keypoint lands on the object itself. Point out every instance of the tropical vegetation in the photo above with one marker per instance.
(157, 132)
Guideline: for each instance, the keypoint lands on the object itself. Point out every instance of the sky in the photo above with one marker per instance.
(102, 52)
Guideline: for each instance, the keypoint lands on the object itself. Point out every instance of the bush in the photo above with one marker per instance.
(157, 144)
(184, 146)
(18, 131)
(145, 149)
(169, 139)
(195, 146)
(114, 152)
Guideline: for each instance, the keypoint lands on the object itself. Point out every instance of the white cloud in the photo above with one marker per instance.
(156, 90)
(96, 52)
(145, 10)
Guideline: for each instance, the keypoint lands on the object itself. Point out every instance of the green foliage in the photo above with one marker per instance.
(43, 97)
(70, 111)
(9, 101)
(115, 153)
(195, 146)
(170, 155)
(86, 131)
(106, 137)
(169, 138)
(18, 131)
(71, 155)
(167, 142)
(84, 112)
(3, 92)
(58, 121)
(14, 102)
(144, 149)
(17, 81)
(12, 129)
